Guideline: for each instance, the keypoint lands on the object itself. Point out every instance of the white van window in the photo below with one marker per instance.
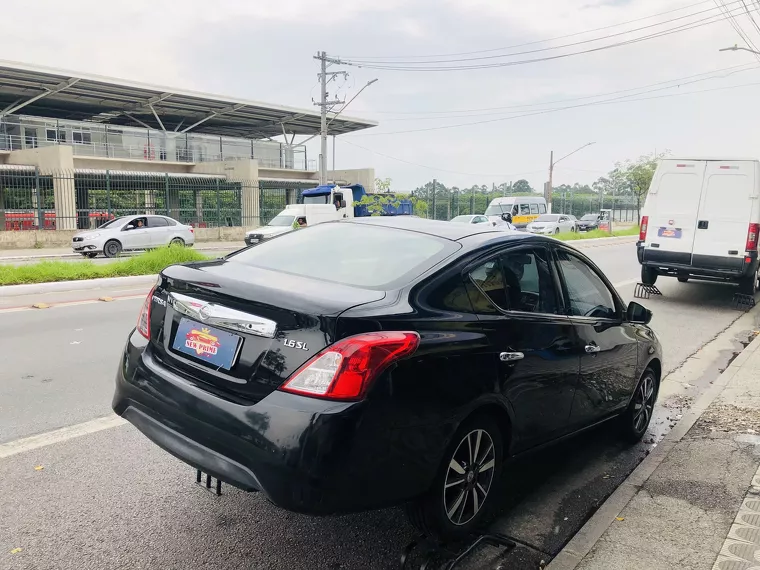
(524, 210)
(534, 208)
(542, 208)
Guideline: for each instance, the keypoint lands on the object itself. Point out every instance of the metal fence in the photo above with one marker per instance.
(31, 199)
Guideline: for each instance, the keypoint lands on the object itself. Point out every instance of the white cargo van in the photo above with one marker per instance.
(701, 220)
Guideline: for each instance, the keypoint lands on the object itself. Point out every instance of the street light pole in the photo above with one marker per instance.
(737, 48)
(552, 164)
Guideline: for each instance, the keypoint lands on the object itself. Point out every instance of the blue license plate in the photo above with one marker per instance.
(669, 232)
(209, 344)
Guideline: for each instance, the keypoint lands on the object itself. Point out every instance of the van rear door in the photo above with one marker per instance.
(725, 210)
(672, 207)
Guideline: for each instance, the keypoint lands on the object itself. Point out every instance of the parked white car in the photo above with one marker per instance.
(552, 224)
(476, 219)
(129, 233)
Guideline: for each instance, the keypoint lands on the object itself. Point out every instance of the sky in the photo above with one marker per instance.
(490, 125)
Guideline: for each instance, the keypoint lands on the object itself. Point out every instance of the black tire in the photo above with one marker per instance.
(683, 279)
(648, 275)
(636, 419)
(178, 242)
(112, 248)
(748, 285)
(556, 231)
(92, 254)
(433, 512)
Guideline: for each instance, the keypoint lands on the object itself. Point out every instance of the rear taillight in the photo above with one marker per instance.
(345, 370)
(752, 233)
(643, 228)
(192, 230)
(143, 320)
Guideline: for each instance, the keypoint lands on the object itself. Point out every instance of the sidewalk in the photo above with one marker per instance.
(694, 502)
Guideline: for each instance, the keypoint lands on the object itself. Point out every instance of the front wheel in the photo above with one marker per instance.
(112, 248)
(556, 231)
(648, 275)
(463, 489)
(636, 419)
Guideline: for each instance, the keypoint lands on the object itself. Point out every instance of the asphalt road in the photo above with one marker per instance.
(112, 499)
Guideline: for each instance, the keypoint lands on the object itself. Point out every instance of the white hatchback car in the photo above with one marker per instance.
(128, 233)
(552, 224)
(476, 219)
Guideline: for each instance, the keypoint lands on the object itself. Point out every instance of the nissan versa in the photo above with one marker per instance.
(405, 368)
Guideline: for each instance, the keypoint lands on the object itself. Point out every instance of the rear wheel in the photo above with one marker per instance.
(179, 242)
(112, 248)
(636, 419)
(648, 275)
(683, 279)
(749, 285)
(463, 490)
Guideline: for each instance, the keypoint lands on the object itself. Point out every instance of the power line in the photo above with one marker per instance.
(679, 82)
(683, 27)
(721, 4)
(562, 37)
(622, 99)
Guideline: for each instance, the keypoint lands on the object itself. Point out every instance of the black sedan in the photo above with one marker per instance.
(367, 363)
(589, 222)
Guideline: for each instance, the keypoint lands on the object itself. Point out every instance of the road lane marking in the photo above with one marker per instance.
(59, 435)
(71, 303)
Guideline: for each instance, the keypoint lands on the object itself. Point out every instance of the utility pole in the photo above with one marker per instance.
(548, 196)
(324, 103)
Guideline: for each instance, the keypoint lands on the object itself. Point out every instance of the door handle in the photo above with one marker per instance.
(592, 348)
(511, 356)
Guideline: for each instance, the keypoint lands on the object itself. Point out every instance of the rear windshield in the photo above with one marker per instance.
(350, 254)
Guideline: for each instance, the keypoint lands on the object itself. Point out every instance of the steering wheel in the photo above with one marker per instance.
(598, 311)
(529, 301)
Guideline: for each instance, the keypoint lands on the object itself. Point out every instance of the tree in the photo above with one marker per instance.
(377, 203)
(382, 185)
(522, 186)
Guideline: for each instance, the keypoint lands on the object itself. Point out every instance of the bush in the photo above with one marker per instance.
(146, 263)
(572, 236)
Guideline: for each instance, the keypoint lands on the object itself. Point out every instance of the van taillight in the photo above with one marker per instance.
(752, 233)
(643, 228)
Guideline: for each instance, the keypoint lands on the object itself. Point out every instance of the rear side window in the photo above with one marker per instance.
(351, 254)
(157, 222)
(534, 208)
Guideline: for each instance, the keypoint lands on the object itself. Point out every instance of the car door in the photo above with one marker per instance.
(564, 224)
(158, 231)
(607, 343)
(530, 339)
(134, 235)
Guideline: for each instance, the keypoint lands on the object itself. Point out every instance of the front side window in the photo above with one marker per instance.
(542, 208)
(588, 296)
(524, 209)
(517, 281)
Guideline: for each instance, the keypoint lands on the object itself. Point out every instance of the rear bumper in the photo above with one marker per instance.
(686, 264)
(306, 455)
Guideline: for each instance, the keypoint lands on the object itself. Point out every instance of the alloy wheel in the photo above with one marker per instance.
(469, 477)
(643, 404)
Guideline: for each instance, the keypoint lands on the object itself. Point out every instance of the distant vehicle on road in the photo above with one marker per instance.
(126, 233)
(589, 222)
(477, 219)
(701, 220)
(404, 371)
(550, 224)
(524, 209)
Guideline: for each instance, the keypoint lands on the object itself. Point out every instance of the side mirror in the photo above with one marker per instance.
(128, 227)
(636, 313)
(493, 223)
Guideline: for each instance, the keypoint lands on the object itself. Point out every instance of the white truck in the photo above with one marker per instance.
(701, 220)
(326, 203)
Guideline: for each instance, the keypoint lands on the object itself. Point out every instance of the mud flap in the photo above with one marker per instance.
(643, 291)
(742, 302)
(207, 483)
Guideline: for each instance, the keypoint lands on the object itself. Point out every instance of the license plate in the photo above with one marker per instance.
(669, 232)
(208, 344)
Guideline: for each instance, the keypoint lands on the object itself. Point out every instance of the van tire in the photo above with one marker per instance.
(648, 275)
(748, 284)
(683, 279)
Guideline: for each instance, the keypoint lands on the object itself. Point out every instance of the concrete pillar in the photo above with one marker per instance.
(363, 176)
(56, 161)
(246, 174)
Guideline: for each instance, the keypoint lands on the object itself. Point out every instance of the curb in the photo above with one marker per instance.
(586, 538)
(44, 256)
(84, 284)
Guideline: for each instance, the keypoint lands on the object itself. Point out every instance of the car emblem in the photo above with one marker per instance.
(670, 222)
(205, 312)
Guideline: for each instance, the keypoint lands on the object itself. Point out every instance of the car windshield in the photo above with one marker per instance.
(282, 221)
(589, 217)
(498, 209)
(384, 255)
(322, 199)
(462, 219)
(115, 223)
(548, 218)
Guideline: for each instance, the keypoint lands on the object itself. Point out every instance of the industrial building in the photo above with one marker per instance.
(76, 149)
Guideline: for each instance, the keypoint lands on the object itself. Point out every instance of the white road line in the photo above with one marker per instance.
(60, 435)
